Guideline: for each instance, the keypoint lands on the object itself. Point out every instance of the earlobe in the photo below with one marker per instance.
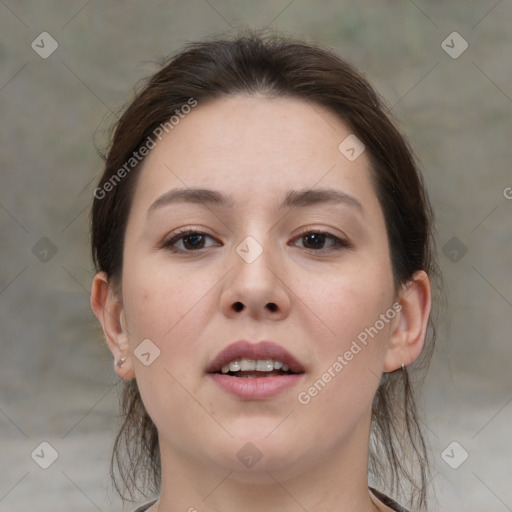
(408, 336)
(109, 311)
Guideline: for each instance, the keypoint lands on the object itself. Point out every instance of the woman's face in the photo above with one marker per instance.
(253, 274)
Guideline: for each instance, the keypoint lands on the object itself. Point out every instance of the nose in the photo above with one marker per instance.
(256, 288)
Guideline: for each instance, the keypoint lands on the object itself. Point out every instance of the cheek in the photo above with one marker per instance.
(160, 301)
(170, 308)
(356, 307)
(350, 302)
(349, 363)
(164, 308)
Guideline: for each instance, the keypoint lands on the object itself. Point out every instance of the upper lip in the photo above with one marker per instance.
(244, 349)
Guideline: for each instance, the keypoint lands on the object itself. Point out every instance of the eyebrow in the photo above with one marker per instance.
(293, 199)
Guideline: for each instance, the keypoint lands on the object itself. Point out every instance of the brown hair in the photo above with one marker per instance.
(276, 66)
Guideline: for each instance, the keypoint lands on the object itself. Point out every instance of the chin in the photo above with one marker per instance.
(250, 459)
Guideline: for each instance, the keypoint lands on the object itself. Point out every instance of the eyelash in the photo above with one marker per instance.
(337, 245)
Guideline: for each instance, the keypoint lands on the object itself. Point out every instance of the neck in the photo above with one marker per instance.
(336, 481)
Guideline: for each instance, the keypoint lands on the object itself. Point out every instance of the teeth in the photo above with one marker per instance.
(250, 365)
(264, 365)
(247, 365)
(234, 366)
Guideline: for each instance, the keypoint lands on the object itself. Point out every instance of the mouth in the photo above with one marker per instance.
(255, 371)
(263, 359)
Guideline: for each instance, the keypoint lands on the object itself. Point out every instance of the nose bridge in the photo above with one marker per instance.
(253, 263)
(254, 253)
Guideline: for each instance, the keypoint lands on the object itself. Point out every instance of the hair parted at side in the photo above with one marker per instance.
(268, 64)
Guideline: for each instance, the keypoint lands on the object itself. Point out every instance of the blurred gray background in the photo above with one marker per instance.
(56, 381)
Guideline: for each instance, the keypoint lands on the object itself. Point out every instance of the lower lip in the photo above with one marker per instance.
(255, 388)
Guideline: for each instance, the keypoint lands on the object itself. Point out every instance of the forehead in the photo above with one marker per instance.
(254, 148)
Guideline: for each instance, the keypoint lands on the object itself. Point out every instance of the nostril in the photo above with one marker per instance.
(272, 306)
(238, 306)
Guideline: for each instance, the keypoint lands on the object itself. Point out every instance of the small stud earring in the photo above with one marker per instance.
(403, 367)
(120, 363)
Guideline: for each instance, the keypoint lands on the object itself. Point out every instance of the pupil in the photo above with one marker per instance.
(195, 244)
(318, 239)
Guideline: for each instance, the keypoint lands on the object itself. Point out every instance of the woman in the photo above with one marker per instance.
(263, 247)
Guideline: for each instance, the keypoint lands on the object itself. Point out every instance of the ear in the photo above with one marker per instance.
(109, 311)
(408, 335)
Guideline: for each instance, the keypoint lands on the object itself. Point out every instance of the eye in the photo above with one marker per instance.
(315, 240)
(190, 240)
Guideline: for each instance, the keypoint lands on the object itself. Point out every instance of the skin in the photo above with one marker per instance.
(314, 456)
